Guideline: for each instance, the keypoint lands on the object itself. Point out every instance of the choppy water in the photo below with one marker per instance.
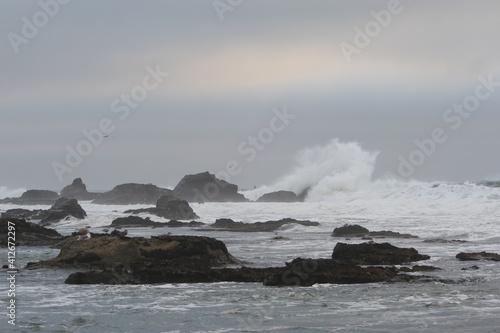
(469, 302)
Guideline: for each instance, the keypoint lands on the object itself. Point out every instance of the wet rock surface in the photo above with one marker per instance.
(136, 221)
(169, 207)
(34, 197)
(280, 196)
(473, 256)
(132, 194)
(354, 231)
(61, 209)
(230, 225)
(29, 234)
(375, 254)
(205, 187)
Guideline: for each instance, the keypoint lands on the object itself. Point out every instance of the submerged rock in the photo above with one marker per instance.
(375, 254)
(61, 209)
(169, 207)
(280, 196)
(205, 187)
(136, 221)
(78, 190)
(354, 230)
(478, 256)
(28, 234)
(132, 194)
(230, 225)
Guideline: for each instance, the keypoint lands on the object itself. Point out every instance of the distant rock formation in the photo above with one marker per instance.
(132, 194)
(34, 197)
(78, 190)
(280, 196)
(21, 213)
(230, 225)
(205, 187)
(61, 209)
(28, 234)
(169, 207)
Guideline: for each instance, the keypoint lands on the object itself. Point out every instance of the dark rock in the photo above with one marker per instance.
(307, 272)
(136, 221)
(375, 254)
(78, 190)
(444, 241)
(230, 225)
(111, 252)
(205, 187)
(470, 268)
(62, 209)
(280, 196)
(419, 268)
(350, 230)
(132, 194)
(478, 256)
(34, 197)
(169, 207)
(27, 214)
(355, 230)
(28, 234)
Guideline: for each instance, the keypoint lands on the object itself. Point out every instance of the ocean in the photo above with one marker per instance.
(459, 298)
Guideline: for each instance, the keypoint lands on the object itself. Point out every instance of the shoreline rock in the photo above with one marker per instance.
(62, 209)
(354, 230)
(136, 221)
(375, 254)
(34, 197)
(475, 256)
(280, 196)
(230, 225)
(169, 207)
(29, 234)
(78, 190)
(132, 194)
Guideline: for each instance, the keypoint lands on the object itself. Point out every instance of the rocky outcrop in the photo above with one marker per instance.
(375, 254)
(167, 252)
(169, 207)
(61, 209)
(132, 194)
(136, 221)
(20, 213)
(205, 187)
(463, 256)
(280, 196)
(34, 197)
(230, 225)
(354, 230)
(78, 190)
(28, 234)
(189, 259)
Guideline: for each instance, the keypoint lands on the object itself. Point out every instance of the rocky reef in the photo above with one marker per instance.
(169, 207)
(132, 194)
(28, 233)
(205, 187)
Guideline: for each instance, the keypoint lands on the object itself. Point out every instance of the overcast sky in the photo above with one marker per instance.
(225, 78)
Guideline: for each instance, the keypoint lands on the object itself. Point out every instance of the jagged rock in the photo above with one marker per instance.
(230, 225)
(20, 213)
(444, 241)
(205, 187)
(61, 209)
(355, 230)
(374, 254)
(280, 196)
(136, 221)
(132, 194)
(78, 190)
(169, 207)
(34, 197)
(478, 256)
(28, 234)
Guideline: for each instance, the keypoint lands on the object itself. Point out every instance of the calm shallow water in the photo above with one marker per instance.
(469, 302)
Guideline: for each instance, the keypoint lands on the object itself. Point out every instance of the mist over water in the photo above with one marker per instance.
(10, 193)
